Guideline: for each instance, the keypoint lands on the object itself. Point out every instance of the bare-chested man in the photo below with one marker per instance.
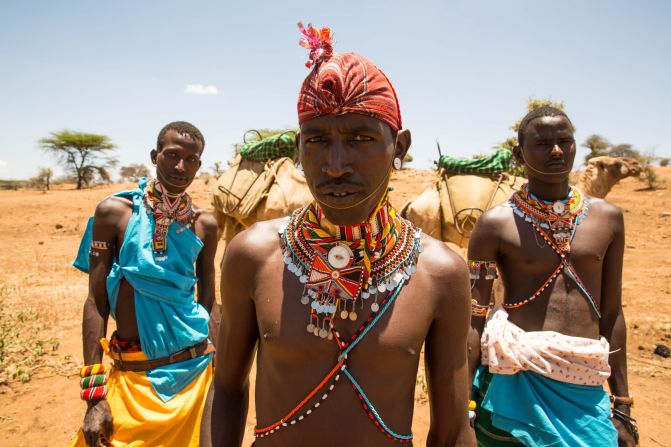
(140, 250)
(337, 301)
(560, 332)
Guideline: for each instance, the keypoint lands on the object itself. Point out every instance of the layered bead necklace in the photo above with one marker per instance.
(343, 266)
(560, 217)
(166, 209)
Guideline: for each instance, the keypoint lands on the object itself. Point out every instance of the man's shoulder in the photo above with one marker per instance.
(440, 261)
(205, 218)
(492, 221)
(603, 207)
(257, 242)
(113, 207)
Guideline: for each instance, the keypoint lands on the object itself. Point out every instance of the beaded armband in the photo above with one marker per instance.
(93, 382)
(478, 310)
(98, 246)
(475, 268)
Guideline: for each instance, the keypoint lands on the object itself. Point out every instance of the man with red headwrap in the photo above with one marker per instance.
(338, 299)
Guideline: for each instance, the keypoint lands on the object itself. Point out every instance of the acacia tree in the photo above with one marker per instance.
(134, 172)
(217, 169)
(597, 146)
(43, 178)
(82, 154)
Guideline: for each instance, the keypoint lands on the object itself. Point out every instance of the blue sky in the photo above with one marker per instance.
(463, 69)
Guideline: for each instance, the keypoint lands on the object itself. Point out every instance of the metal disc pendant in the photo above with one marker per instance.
(311, 327)
(344, 314)
(323, 333)
(316, 332)
(353, 316)
(558, 207)
(398, 163)
(374, 307)
(340, 256)
(305, 299)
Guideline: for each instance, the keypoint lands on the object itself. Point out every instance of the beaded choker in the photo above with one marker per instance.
(561, 217)
(165, 210)
(343, 266)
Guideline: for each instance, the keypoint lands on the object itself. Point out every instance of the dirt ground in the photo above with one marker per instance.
(41, 299)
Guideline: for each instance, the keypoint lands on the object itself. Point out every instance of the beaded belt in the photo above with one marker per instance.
(332, 378)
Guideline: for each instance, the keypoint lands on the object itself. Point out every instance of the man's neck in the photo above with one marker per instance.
(549, 191)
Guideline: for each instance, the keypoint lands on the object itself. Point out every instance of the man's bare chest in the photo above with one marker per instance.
(396, 335)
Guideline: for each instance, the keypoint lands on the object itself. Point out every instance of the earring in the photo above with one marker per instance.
(398, 163)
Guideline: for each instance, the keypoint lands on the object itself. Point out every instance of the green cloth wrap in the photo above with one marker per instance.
(494, 163)
(270, 148)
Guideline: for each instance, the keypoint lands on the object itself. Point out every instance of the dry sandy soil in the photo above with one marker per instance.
(41, 298)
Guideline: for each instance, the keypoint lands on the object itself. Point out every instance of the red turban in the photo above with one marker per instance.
(343, 83)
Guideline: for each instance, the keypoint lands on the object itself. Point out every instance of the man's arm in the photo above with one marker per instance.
(612, 325)
(483, 246)
(96, 309)
(236, 343)
(207, 227)
(445, 356)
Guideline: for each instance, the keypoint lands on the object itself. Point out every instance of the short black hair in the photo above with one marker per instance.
(182, 128)
(540, 112)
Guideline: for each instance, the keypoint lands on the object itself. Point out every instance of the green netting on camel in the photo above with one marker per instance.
(494, 163)
(270, 148)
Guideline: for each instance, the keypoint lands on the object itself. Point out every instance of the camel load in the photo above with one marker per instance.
(464, 189)
(449, 208)
(262, 183)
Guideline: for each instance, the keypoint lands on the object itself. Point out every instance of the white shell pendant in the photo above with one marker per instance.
(340, 256)
(558, 207)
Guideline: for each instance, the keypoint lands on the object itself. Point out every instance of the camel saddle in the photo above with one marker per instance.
(244, 185)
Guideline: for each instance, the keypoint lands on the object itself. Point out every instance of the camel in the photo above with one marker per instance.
(602, 173)
(252, 191)
(468, 196)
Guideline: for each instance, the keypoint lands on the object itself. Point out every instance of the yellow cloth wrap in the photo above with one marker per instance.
(141, 418)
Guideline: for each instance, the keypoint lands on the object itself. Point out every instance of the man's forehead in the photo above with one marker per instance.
(174, 139)
(549, 125)
(345, 122)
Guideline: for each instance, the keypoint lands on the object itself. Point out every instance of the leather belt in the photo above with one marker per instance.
(197, 350)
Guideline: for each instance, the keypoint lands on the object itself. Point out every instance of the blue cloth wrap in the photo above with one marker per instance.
(168, 317)
(543, 412)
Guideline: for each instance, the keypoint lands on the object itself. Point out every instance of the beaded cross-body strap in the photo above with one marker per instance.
(563, 265)
(333, 377)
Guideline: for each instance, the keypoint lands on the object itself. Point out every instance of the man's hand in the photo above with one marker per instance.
(98, 419)
(624, 436)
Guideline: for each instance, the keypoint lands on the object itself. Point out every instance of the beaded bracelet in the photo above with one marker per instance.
(478, 310)
(93, 393)
(95, 380)
(91, 370)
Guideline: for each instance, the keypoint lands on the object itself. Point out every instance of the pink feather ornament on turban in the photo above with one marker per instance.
(341, 83)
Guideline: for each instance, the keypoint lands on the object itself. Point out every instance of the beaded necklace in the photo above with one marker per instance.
(562, 218)
(559, 216)
(165, 210)
(342, 266)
